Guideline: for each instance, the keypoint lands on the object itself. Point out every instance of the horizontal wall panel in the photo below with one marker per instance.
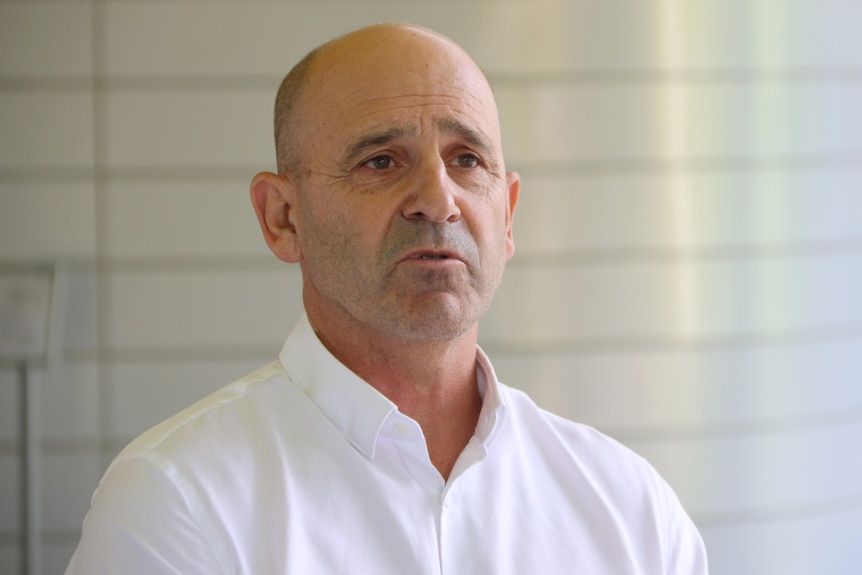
(70, 402)
(767, 34)
(695, 391)
(200, 128)
(266, 38)
(242, 38)
(39, 39)
(761, 475)
(256, 42)
(46, 221)
(557, 123)
(619, 214)
(200, 309)
(183, 219)
(715, 34)
(67, 403)
(68, 482)
(817, 543)
(248, 38)
(80, 324)
(685, 301)
(44, 129)
(145, 393)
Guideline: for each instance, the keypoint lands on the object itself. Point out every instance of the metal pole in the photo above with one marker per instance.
(31, 477)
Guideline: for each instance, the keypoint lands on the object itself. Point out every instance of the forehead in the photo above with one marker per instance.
(413, 82)
(456, 112)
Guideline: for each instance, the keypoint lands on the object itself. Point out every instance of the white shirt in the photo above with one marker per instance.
(303, 468)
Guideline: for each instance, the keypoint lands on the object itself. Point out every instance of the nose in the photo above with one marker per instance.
(432, 195)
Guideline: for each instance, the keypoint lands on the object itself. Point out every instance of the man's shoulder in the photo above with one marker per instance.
(228, 412)
(615, 494)
(578, 442)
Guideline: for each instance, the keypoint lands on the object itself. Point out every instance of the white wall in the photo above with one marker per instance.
(689, 236)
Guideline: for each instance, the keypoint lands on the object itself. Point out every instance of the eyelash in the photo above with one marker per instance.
(370, 163)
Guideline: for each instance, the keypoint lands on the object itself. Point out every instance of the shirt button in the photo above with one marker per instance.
(401, 430)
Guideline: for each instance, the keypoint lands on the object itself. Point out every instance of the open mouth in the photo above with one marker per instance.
(433, 257)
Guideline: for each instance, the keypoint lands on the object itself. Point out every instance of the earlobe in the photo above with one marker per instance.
(274, 201)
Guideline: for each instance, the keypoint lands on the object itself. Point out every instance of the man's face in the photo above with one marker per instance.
(405, 209)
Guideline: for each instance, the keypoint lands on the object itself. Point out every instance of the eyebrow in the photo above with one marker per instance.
(366, 142)
(467, 133)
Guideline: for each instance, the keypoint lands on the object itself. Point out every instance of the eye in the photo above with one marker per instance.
(379, 163)
(467, 161)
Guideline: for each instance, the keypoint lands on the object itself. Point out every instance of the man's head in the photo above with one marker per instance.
(392, 192)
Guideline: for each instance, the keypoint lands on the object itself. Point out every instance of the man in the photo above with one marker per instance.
(381, 441)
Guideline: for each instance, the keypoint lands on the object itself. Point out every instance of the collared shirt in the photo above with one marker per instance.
(304, 468)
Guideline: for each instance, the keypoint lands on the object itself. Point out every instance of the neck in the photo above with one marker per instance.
(433, 382)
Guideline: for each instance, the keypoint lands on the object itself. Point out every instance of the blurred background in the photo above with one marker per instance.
(688, 275)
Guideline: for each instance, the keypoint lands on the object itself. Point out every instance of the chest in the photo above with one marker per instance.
(344, 513)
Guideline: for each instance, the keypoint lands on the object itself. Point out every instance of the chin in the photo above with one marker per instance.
(437, 324)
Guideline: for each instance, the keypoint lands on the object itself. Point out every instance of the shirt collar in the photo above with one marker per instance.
(493, 407)
(350, 403)
(354, 406)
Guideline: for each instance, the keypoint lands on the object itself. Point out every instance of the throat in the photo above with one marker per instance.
(448, 426)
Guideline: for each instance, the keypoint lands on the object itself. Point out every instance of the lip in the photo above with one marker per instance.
(431, 255)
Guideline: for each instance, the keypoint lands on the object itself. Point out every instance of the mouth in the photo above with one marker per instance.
(437, 258)
(432, 255)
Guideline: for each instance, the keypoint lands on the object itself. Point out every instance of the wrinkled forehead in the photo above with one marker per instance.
(400, 74)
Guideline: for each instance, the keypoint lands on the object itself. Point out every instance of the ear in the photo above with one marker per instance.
(513, 183)
(274, 201)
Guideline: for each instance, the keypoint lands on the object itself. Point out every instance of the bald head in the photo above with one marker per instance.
(345, 62)
(389, 148)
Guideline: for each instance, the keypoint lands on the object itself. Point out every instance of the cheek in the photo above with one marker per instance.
(319, 234)
(341, 236)
(490, 222)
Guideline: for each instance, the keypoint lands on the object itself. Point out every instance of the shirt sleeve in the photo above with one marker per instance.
(140, 522)
(685, 553)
